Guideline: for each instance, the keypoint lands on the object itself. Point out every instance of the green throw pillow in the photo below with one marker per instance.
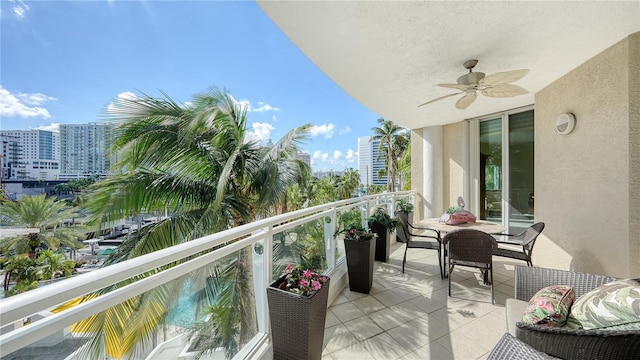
(615, 306)
(549, 306)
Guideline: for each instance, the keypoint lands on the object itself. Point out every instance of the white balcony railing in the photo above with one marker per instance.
(43, 324)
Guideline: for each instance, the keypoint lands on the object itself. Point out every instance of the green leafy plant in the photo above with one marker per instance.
(381, 217)
(452, 209)
(403, 205)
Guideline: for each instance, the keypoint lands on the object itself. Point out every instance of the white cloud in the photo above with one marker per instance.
(346, 130)
(320, 155)
(262, 107)
(55, 127)
(274, 119)
(325, 130)
(19, 8)
(261, 131)
(114, 107)
(351, 155)
(23, 105)
(245, 104)
(337, 154)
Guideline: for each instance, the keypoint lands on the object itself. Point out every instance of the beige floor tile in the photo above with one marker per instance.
(409, 337)
(368, 304)
(327, 357)
(384, 347)
(461, 346)
(340, 299)
(454, 318)
(387, 318)
(427, 305)
(410, 315)
(353, 352)
(352, 295)
(408, 310)
(430, 326)
(389, 298)
(346, 312)
(336, 338)
(363, 328)
(331, 320)
(431, 351)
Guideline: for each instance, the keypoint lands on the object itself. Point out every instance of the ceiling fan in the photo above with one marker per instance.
(495, 85)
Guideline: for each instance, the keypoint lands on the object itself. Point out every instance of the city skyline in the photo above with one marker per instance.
(65, 62)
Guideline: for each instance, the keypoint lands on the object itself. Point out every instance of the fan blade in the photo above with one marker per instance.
(504, 90)
(504, 77)
(454, 86)
(466, 100)
(440, 98)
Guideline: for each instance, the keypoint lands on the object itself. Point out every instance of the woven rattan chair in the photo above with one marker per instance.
(528, 238)
(412, 232)
(566, 343)
(472, 248)
(510, 348)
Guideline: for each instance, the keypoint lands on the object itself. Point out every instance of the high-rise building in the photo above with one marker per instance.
(371, 164)
(84, 150)
(30, 154)
(365, 167)
(304, 157)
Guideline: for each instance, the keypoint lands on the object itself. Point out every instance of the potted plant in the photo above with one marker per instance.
(360, 250)
(382, 224)
(404, 212)
(298, 310)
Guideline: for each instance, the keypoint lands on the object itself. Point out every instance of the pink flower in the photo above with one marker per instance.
(304, 283)
(316, 285)
(307, 274)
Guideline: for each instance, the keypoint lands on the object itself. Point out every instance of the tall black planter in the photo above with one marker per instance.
(297, 322)
(360, 256)
(382, 241)
(408, 216)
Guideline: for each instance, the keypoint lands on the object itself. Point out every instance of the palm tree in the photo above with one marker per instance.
(42, 213)
(390, 136)
(53, 264)
(197, 163)
(404, 168)
(349, 182)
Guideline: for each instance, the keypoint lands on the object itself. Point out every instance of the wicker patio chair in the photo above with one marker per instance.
(528, 237)
(510, 348)
(411, 233)
(472, 248)
(568, 343)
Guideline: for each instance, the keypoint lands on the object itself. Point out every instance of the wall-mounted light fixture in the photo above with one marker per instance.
(565, 123)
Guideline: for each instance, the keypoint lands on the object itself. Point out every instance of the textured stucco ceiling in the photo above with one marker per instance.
(389, 55)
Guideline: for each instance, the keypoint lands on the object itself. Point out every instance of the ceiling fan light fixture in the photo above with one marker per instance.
(471, 78)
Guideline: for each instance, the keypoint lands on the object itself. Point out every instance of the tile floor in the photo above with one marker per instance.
(410, 316)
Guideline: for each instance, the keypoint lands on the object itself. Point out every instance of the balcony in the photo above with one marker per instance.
(410, 316)
(406, 315)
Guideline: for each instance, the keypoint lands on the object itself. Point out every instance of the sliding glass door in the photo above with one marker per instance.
(505, 155)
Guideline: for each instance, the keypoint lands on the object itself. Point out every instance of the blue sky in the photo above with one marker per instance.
(65, 61)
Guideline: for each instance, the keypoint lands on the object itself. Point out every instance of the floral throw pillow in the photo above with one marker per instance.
(614, 306)
(549, 306)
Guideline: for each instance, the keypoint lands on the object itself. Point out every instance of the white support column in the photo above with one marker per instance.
(432, 172)
(466, 179)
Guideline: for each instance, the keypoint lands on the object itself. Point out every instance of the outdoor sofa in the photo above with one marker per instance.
(564, 342)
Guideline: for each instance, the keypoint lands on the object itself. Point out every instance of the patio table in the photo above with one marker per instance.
(481, 225)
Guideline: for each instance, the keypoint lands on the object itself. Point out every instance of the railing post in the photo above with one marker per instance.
(364, 214)
(330, 239)
(262, 270)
